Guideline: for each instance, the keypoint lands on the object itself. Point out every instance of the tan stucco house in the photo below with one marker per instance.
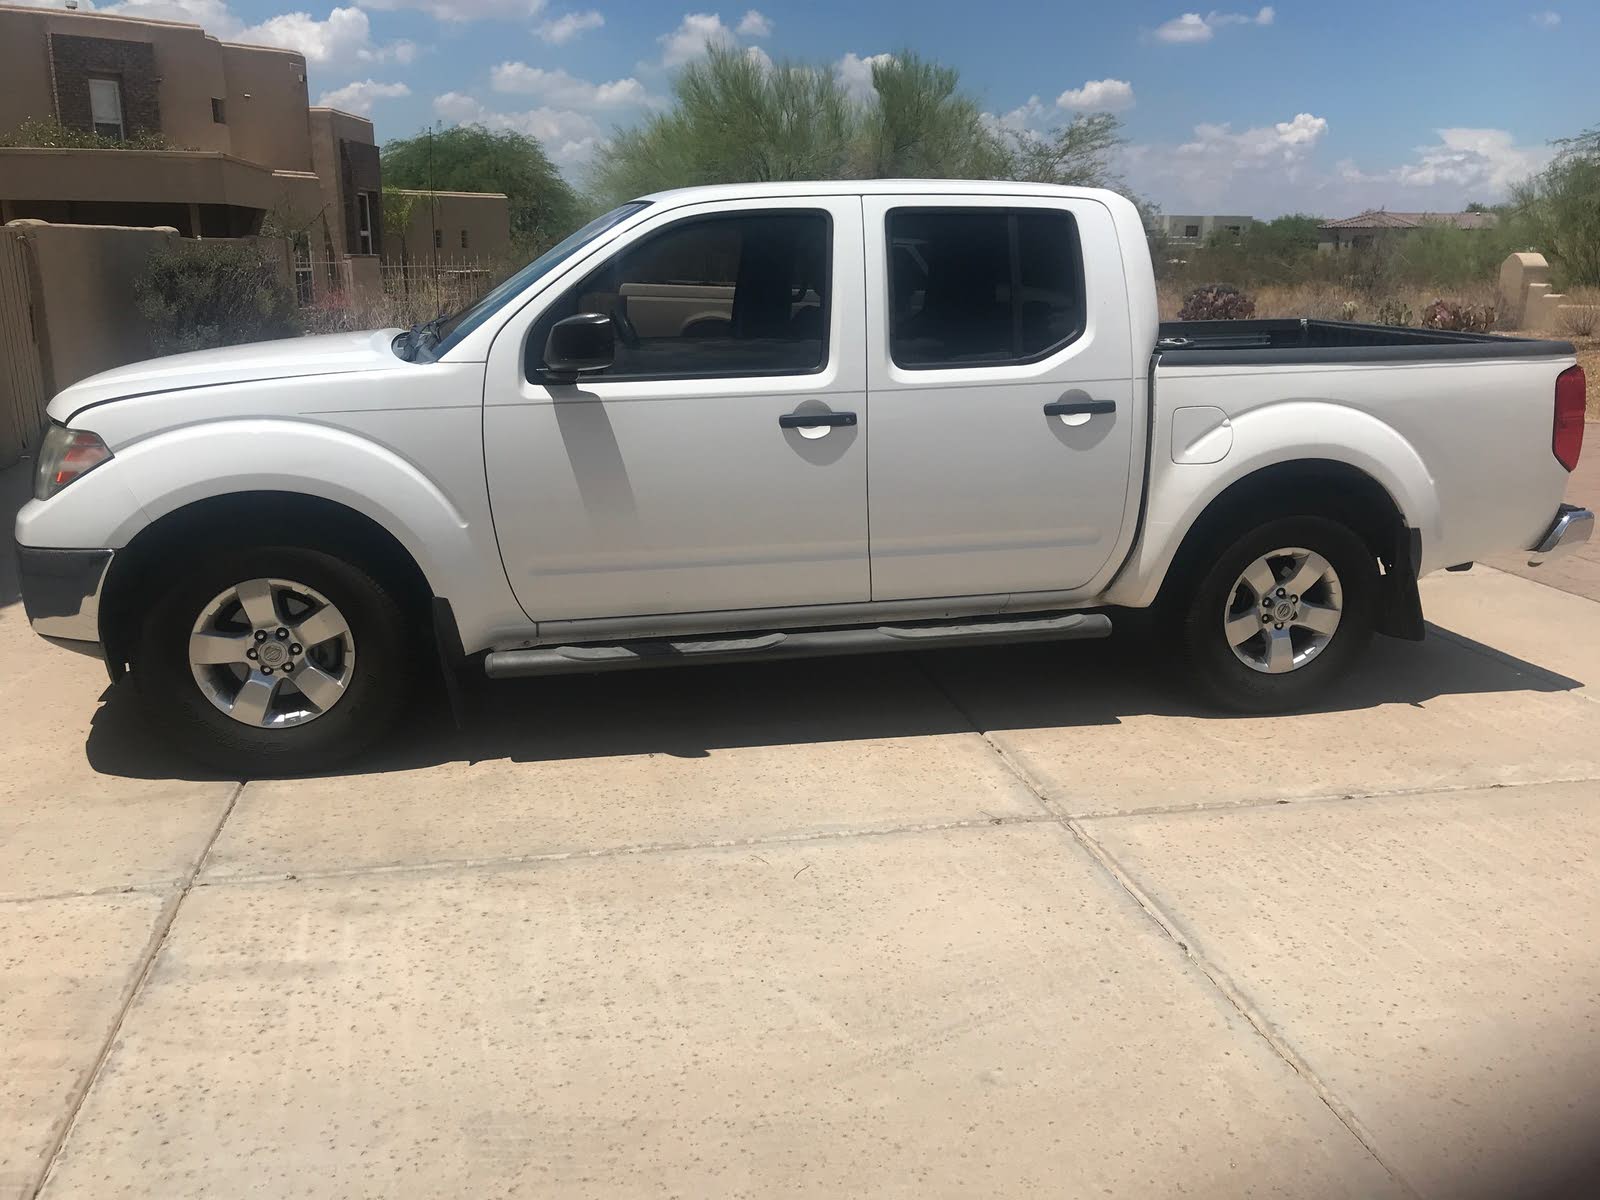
(1374, 225)
(246, 144)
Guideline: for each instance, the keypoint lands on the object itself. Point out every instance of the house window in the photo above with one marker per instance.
(363, 223)
(1191, 231)
(105, 107)
(218, 112)
(1235, 230)
(438, 239)
(463, 239)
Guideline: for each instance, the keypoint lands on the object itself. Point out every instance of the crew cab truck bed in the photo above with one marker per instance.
(775, 420)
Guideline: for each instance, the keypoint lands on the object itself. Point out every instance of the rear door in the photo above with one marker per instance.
(697, 473)
(1001, 377)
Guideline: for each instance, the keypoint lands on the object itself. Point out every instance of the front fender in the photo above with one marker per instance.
(1267, 436)
(154, 476)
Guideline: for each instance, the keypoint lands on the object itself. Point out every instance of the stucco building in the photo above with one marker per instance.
(213, 140)
(1375, 225)
(1181, 230)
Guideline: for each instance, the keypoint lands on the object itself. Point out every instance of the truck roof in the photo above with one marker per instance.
(875, 187)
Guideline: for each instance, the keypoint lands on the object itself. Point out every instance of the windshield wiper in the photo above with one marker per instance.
(422, 336)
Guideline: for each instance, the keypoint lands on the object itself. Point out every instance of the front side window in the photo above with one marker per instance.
(105, 108)
(982, 287)
(1191, 231)
(712, 296)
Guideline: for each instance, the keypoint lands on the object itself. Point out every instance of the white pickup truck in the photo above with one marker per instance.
(769, 421)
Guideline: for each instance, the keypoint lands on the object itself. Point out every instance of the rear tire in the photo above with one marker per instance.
(365, 668)
(1252, 642)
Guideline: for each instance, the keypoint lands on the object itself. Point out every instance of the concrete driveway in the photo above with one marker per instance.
(1013, 923)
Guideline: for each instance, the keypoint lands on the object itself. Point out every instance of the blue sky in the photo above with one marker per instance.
(1326, 108)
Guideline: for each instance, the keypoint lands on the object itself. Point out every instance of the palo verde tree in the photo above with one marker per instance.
(1560, 209)
(735, 118)
(470, 158)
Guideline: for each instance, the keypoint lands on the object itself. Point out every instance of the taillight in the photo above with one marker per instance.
(1566, 439)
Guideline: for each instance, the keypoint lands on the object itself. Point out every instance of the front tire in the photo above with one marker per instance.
(1282, 613)
(275, 660)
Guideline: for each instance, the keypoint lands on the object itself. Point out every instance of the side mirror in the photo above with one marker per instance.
(579, 344)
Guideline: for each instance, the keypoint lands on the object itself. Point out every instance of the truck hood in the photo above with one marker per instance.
(326, 354)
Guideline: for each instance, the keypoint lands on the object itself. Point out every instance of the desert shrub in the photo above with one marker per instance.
(1580, 320)
(208, 294)
(1394, 312)
(1217, 302)
(1459, 316)
(50, 134)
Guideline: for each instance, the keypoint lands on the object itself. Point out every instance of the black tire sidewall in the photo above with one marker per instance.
(1229, 683)
(385, 656)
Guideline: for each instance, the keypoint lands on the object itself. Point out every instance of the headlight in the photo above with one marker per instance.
(65, 455)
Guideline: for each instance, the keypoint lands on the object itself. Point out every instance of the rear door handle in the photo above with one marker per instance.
(1079, 408)
(797, 420)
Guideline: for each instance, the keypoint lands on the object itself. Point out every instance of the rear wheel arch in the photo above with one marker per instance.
(141, 569)
(1313, 487)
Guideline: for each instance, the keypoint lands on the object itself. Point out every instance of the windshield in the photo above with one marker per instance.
(454, 328)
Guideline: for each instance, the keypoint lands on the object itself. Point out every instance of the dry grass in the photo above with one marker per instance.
(1337, 302)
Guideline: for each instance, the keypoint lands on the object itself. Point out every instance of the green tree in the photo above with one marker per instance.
(735, 119)
(470, 158)
(398, 208)
(1560, 209)
(1078, 154)
(921, 125)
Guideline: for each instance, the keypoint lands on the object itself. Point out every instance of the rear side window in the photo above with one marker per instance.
(708, 297)
(983, 286)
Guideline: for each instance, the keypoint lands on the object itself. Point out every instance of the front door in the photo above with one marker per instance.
(686, 476)
(1002, 378)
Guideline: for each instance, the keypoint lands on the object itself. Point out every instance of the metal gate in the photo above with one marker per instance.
(22, 398)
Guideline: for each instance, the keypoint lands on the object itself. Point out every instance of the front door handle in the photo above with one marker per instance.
(797, 420)
(1079, 408)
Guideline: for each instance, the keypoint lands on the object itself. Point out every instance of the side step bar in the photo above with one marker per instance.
(795, 643)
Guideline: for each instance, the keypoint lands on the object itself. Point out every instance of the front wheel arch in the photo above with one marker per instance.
(141, 568)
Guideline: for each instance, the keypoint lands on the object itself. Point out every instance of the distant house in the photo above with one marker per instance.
(1198, 230)
(1366, 229)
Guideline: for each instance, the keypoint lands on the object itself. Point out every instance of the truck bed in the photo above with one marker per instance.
(1304, 340)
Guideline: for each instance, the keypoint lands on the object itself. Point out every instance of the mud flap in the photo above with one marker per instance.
(1400, 606)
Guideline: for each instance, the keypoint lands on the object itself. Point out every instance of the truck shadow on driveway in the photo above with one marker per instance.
(691, 711)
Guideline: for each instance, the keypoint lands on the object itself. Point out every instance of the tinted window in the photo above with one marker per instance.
(745, 295)
(982, 286)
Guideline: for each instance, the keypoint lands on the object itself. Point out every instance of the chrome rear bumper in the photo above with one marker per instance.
(1572, 527)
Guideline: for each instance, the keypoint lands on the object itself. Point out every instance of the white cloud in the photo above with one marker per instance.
(345, 36)
(1284, 142)
(1192, 27)
(359, 97)
(689, 40)
(1098, 95)
(755, 25)
(558, 87)
(465, 10)
(569, 138)
(563, 29)
(1486, 160)
(854, 71)
(759, 56)
(1222, 169)
(1546, 18)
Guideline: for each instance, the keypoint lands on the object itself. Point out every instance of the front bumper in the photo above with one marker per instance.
(1572, 527)
(61, 594)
